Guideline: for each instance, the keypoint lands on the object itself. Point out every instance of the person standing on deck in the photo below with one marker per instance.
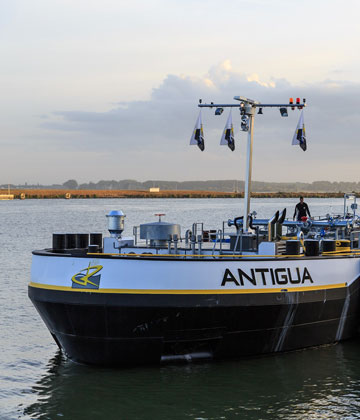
(301, 209)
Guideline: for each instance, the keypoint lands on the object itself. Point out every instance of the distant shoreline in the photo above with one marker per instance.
(63, 194)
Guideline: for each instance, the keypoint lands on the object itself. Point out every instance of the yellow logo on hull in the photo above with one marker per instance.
(87, 278)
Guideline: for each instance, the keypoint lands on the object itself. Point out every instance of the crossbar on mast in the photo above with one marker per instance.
(256, 105)
(247, 107)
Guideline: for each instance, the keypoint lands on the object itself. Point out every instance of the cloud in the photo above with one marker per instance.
(161, 126)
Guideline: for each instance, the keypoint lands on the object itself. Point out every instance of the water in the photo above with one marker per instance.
(37, 382)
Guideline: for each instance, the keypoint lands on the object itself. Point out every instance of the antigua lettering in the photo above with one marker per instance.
(267, 277)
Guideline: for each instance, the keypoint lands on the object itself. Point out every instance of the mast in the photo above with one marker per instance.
(249, 151)
(247, 109)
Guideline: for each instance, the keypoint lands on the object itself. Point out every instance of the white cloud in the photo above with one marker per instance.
(255, 78)
(149, 138)
(79, 57)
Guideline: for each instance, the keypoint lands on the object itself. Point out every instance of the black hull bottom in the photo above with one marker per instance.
(118, 329)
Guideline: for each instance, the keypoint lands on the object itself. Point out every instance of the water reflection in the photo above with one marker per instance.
(312, 384)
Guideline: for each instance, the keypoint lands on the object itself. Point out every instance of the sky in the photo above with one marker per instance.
(99, 90)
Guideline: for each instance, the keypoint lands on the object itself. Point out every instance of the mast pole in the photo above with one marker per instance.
(249, 152)
(247, 110)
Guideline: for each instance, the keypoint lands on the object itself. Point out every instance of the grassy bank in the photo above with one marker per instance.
(40, 193)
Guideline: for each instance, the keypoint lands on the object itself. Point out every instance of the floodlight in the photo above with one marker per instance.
(283, 112)
(219, 111)
(244, 123)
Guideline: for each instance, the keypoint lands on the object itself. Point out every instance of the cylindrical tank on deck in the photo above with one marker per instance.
(116, 221)
(159, 232)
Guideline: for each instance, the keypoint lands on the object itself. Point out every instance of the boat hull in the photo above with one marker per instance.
(141, 326)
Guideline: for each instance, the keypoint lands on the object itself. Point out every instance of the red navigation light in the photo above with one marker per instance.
(297, 101)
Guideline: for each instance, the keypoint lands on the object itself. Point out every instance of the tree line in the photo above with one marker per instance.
(210, 185)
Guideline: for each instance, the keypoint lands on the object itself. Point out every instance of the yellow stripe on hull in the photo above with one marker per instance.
(188, 292)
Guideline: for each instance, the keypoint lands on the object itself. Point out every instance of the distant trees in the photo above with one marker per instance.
(230, 185)
(71, 184)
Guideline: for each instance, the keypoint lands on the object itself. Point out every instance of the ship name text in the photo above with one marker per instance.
(267, 276)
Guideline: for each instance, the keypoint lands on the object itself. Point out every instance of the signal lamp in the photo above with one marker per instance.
(291, 101)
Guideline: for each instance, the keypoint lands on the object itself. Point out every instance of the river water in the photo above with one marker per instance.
(38, 382)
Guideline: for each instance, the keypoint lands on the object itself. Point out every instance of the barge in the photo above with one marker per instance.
(249, 286)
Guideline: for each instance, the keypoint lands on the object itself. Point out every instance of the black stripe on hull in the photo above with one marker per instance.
(116, 329)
